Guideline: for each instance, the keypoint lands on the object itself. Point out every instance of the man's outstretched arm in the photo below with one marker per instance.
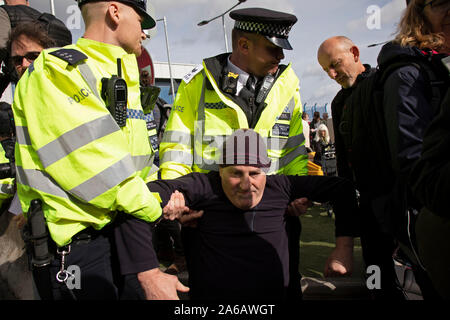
(342, 195)
(137, 256)
(340, 261)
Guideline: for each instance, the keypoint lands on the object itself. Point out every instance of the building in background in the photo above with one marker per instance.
(162, 77)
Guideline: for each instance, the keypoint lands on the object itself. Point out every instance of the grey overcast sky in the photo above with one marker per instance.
(363, 21)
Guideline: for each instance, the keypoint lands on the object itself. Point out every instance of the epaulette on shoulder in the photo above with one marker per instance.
(71, 56)
(187, 78)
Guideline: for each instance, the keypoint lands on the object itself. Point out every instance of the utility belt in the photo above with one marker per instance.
(87, 235)
(43, 251)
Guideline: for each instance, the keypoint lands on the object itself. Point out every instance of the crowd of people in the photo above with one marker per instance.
(232, 176)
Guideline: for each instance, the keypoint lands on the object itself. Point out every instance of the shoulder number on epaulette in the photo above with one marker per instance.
(71, 56)
(187, 78)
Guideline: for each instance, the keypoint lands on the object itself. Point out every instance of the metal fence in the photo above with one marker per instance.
(310, 109)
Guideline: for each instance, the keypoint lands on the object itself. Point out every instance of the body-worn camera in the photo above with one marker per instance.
(149, 95)
(229, 83)
(115, 93)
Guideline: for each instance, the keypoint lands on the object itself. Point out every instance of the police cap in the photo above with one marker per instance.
(273, 25)
(139, 5)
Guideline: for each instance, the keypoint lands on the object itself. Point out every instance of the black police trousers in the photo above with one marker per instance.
(93, 253)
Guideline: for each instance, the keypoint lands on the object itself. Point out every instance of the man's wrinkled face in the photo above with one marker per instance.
(243, 185)
(340, 64)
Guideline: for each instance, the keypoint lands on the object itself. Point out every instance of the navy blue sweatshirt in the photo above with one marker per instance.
(237, 254)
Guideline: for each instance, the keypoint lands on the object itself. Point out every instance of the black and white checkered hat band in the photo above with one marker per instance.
(264, 28)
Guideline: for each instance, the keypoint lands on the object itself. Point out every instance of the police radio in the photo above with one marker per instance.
(115, 92)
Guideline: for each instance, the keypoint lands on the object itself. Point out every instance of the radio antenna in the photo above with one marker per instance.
(119, 68)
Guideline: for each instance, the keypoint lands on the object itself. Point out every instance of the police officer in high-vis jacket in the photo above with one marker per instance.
(83, 151)
(247, 88)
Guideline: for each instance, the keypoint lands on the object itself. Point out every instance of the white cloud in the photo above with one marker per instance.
(207, 9)
(313, 70)
(317, 20)
(324, 92)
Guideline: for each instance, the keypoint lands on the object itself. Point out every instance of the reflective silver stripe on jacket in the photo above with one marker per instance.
(89, 77)
(39, 180)
(199, 160)
(142, 162)
(183, 157)
(290, 107)
(105, 180)
(76, 138)
(201, 106)
(153, 170)
(87, 190)
(177, 156)
(284, 161)
(282, 143)
(177, 137)
(23, 137)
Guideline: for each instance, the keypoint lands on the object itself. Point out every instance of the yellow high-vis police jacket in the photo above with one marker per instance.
(70, 152)
(203, 116)
(7, 184)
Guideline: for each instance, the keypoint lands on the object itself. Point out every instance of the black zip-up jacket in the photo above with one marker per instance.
(408, 112)
(407, 107)
(430, 177)
(337, 106)
(234, 253)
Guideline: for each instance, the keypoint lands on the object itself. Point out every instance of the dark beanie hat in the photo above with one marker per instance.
(245, 147)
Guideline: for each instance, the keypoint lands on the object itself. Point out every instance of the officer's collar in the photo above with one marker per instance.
(243, 76)
(102, 50)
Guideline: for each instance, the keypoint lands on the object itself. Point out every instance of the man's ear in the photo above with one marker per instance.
(355, 51)
(113, 13)
(243, 44)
